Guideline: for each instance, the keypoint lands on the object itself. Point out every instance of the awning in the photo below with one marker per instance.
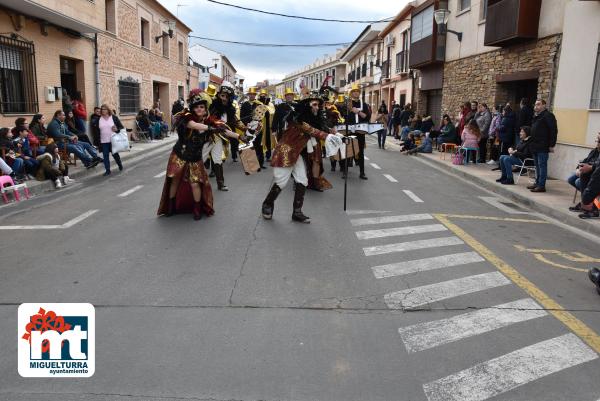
(29, 8)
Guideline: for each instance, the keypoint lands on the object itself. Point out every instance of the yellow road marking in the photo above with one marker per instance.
(464, 216)
(579, 257)
(575, 325)
(543, 259)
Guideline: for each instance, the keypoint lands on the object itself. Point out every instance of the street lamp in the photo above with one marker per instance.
(441, 19)
(171, 29)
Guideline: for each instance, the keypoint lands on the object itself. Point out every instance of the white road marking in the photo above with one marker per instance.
(356, 212)
(420, 265)
(412, 196)
(427, 335)
(366, 158)
(497, 204)
(390, 219)
(375, 166)
(390, 178)
(159, 175)
(68, 224)
(78, 219)
(396, 231)
(418, 296)
(129, 192)
(507, 372)
(412, 245)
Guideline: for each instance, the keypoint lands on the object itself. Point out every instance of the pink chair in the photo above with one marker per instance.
(5, 179)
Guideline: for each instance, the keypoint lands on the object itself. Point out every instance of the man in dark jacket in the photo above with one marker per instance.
(579, 175)
(544, 132)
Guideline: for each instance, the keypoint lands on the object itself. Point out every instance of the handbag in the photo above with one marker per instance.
(458, 158)
(119, 141)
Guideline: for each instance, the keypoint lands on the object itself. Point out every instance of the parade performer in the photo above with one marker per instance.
(222, 109)
(357, 114)
(333, 117)
(267, 140)
(187, 187)
(246, 116)
(287, 163)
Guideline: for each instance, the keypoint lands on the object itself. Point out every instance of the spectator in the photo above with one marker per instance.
(94, 127)
(108, 124)
(382, 113)
(543, 139)
(426, 146)
(448, 132)
(580, 175)
(494, 134)
(71, 123)
(427, 124)
(177, 106)
(12, 159)
(470, 138)
(159, 119)
(34, 142)
(52, 168)
(506, 129)
(591, 191)
(7, 170)
(397, 117)
(465, 109)
(525, 113)
(406, 115)
(64, 139)
(38, 128)
(23, 150)
(67, 104)
(409, 143)
(515, 157)
(80, 113)
(416, 123)
(483, 117)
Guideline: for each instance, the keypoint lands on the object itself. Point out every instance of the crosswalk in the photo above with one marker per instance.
(486, 379)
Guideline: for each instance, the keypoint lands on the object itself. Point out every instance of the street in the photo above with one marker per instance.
(427, 289)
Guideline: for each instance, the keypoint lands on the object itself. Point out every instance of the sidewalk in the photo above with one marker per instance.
(554, 203)
(139, 151)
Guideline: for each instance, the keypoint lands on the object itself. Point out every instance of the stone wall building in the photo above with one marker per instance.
(46, 45)
(313, 75)
(143, 56)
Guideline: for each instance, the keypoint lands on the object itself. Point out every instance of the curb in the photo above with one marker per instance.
(40, 187)
(559, 215)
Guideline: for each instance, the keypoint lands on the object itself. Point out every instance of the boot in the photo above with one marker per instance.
(297, 215)
(333, 164)
(197, 211)
(171, 210)
(269, 203)
(361, 166)
(218, 169)
(117, 158)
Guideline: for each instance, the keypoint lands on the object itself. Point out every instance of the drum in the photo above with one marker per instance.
(364, 128)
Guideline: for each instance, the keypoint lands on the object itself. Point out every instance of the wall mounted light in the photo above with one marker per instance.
(441, 19)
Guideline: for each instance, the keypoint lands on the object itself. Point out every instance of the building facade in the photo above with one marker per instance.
(312, 76)
(364, 58)
(397, 81)
(46, 46)
(143, 55)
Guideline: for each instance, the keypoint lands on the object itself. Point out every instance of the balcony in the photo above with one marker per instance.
(428, 51)
(385, 69)
(402, 62)
(511, 21)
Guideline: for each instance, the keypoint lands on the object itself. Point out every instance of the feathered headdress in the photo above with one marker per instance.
(199, 96)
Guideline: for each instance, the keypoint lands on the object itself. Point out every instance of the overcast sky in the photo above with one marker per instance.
(255, 64)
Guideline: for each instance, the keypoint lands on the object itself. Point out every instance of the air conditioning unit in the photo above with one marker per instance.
(389, 40)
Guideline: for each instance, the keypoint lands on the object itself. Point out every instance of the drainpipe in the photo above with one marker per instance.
(97, 69)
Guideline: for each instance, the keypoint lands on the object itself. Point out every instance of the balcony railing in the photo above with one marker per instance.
(385, 69)
(511, 21)
(402, 62)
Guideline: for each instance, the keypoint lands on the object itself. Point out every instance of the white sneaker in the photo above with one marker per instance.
(491, 162)
(67, 180)
(57, 183)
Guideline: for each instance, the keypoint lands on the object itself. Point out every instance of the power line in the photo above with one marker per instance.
(235, 42)
(300, 17)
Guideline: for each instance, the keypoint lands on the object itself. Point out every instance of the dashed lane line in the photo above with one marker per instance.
(130, 191)
(412, 196)
(68, 224)
(159, 175)
(390, 178)
(375, 166)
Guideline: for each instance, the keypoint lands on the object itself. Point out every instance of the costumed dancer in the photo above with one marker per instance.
(246, 116)
(211, 90)
(333, 117)
(358, 114)
(287, 163)
(222, 109)
(267, 139)
(187, 187)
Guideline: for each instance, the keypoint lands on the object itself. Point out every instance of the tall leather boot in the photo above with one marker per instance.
(197, 210)
(361, 166)
(297, 215)
(269, 202)
(333, 164)
(218, 169)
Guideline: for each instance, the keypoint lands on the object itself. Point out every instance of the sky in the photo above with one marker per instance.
(256, 64)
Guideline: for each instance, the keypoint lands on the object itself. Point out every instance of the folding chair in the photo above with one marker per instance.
(525, 166)
(142, 134)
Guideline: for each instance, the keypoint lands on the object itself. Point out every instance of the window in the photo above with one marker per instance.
(111, 16)
(422, 25)
(180, 51)
(483, 10)
(463, 5)
(145, 33)
(18, 87)
(595, 99)
(165, 44)
(333, 77)
(129, 96)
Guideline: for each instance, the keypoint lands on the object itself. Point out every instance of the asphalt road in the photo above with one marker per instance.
(439, 293)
